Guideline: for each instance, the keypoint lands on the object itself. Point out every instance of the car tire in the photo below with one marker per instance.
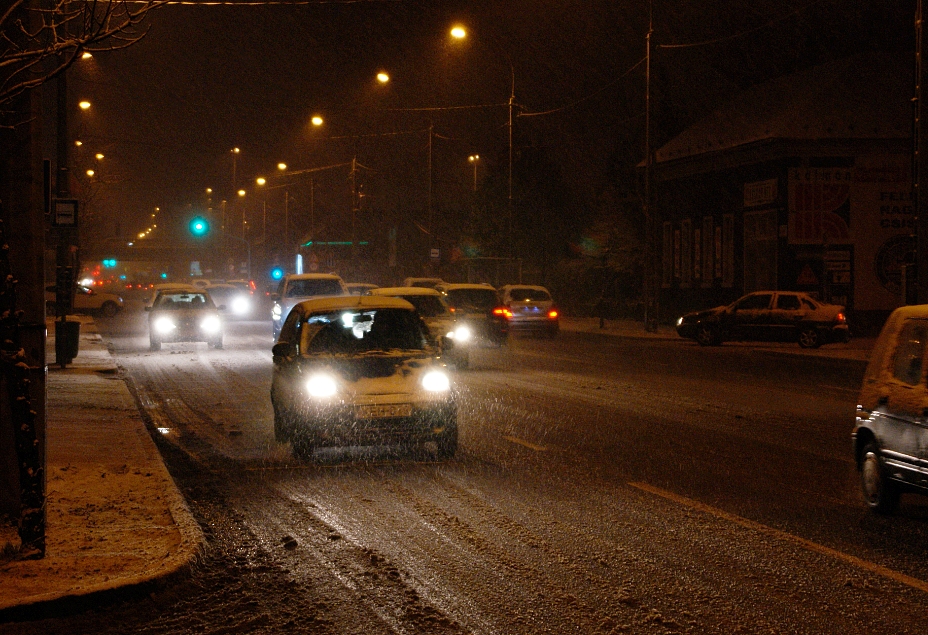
(708, 336)
(880, 494)
(809, 337)
(154, 344)
(109, 309)
(447, 441)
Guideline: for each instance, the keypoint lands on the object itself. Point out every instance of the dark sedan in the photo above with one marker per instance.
(768, 316)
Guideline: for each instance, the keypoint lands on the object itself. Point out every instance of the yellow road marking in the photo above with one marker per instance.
(872, 567)
(530, 446)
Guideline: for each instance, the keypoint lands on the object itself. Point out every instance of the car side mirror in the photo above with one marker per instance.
(282, 349)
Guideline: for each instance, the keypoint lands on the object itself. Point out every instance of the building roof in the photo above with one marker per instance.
(866, 97)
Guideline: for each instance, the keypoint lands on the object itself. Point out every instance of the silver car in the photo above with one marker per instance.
(296, 287)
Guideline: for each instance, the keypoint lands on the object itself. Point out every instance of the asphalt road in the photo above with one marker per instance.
(603, 485)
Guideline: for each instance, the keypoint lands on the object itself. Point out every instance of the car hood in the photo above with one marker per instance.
(697, 315)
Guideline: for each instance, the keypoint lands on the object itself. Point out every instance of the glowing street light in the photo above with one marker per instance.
(241, 192)
(86, 55)
(474, 158)
(84, 105)
(260, 180)
(281, 166)
(90, 173)
(458, 32)
(382, 77)
(316, 120)
(99, 155)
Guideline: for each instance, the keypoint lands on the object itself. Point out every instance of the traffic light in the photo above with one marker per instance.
(199, 226)
(109, 263)
(277, 273)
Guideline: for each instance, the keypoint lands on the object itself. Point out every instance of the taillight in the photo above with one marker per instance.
(552, 314)
(840, 319)
(502, 312)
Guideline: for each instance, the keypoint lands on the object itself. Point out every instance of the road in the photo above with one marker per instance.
(603, 485)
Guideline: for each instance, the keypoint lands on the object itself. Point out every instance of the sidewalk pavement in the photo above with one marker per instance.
(115, 517)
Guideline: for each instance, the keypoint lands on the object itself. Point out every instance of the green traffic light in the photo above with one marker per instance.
(199, 226)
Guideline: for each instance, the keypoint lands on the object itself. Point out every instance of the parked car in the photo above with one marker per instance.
(87, 300)
(360, 370)
(768, 316)
(477, 307)
(296, 287)
(238, 301)
(431, 283)
(435, 312)
(532, 309)
(890, 438)
(182, 315)
(359, 288)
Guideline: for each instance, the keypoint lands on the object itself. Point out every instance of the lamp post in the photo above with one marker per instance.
(460, 33)
(474, 158)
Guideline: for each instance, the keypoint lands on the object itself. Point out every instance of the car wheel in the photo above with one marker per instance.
(809, 337)
(707, 336)
(880, 494)
(303, 448)
(109, 309)
(154, 344)
(447, 441)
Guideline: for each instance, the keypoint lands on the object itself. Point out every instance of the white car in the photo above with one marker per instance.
(360, 370)
(237, 302)
(296, 287)
(531, 309)
(435, 312)
(87, 300)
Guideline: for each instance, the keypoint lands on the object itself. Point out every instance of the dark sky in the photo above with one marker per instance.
(168, 110)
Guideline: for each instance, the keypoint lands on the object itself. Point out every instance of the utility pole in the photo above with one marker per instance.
(650, 270)
(920, 161)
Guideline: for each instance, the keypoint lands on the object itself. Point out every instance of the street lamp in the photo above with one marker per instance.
(460, 33)
(316, 120)
(383, 77)
(474, 158)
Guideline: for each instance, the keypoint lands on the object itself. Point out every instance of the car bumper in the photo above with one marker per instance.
(346, 425)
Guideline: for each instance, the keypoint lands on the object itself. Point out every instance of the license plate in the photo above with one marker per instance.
(380, 411)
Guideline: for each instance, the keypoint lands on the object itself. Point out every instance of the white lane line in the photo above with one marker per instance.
(866, 565)
(523, 442)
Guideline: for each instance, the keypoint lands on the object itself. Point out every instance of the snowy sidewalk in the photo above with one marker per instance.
(115, 518)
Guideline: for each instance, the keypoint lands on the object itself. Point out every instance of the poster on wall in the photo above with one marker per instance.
(881, 199)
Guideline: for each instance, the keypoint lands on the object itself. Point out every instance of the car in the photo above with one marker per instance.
(360, 288)
(182, 315)
(476, 306)
(771, 316)
(87, 300)
(435, 312)
(238, 302)
(532, 309)
(430, 283)
(890, 436)
(360, 370)
(296, 287)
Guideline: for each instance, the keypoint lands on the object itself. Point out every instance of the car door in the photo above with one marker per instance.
(900, 421)
(749, 317)
(787, 313)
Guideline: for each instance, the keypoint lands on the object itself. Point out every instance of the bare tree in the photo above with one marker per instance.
(39, 39)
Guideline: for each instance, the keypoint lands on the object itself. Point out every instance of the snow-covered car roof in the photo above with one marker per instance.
(335, 303)
(396, 291)
(465, 285)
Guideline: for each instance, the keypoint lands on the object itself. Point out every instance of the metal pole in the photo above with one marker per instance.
(920, 164)
(650, 283)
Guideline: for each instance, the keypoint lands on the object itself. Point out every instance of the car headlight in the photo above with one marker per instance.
(211, 324)
(436, 381)
(275, 312)
(460, 334)
(321, 386)
(240, 305)
(164, 325)
(679, 321)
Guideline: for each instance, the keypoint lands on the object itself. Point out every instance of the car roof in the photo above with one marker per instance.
(466, 285)
(312, 276)
(221, 285)
(180, 286)
(335, 303)
(536, 287)
(395, 291)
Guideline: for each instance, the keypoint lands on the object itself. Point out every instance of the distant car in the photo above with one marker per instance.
(359, 288)
(477, 306)
(768, 316)
(87, 300)
(430, 283)
(238, 301)
(294, 288)
(360, 371)
(532, 309)
(890, 435)
(181, 315)
(434, 311)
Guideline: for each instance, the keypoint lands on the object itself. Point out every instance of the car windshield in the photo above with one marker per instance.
(427, 305)
(313, 287)
(529, 295)
(180, 301)
(472, 299)
(350, 332)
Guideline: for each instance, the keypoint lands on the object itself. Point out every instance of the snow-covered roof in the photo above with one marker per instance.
(863, 97)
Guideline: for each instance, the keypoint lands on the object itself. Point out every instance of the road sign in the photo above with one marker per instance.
(435, 254)
(65, 212)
